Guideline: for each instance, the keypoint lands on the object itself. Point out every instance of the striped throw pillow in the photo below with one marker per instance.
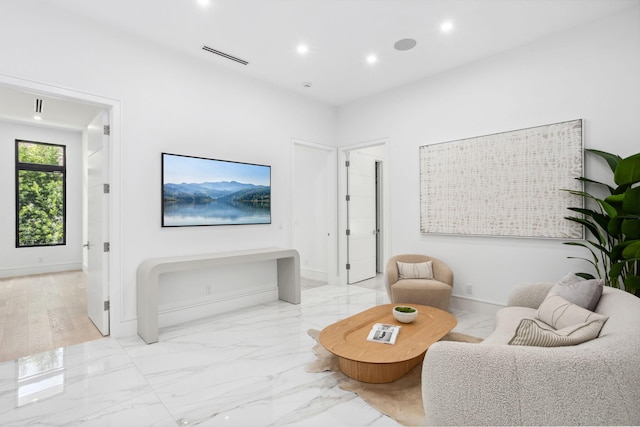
(533, 332)
(415, 270)
(558, 312)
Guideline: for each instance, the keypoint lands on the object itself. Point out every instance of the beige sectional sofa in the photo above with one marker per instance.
(493, 383)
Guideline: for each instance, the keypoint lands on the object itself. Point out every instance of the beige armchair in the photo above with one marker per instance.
(434, 292)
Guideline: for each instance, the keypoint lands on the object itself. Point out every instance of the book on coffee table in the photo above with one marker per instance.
(383, 333)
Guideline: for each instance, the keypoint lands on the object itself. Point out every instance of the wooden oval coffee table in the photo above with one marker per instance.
(374, 362)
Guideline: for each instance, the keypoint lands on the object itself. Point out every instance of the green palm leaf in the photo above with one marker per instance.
(627, 170)
(611, 159)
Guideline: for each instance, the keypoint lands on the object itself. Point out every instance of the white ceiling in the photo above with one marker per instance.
(19, 106)
(340, 34)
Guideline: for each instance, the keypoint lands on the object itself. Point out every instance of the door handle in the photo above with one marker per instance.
(87, 245)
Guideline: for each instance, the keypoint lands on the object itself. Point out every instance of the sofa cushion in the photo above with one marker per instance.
(415, 270)
(533, 332)
(559, 313)
(584, 293)
(506, 322)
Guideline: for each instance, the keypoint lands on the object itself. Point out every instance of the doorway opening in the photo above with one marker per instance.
(379, 219)
(60, 103)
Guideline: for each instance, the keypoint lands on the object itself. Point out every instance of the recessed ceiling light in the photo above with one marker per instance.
(372, 59)
(446, 27)
(36, 117)
(405, 44)
(303, 49)
(204, 3)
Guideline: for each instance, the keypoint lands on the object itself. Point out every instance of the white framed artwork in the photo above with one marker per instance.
(505, 184)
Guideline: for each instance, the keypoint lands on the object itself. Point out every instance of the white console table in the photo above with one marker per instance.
(149, 271)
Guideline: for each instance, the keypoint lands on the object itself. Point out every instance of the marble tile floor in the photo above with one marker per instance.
(229, 370)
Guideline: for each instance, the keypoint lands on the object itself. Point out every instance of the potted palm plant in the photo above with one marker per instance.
(613, 223)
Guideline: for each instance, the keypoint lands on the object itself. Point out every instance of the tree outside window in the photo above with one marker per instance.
(40, 194)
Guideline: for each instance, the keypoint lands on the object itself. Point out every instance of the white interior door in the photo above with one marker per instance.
(97, 223)
(361, 222)
(313, 202)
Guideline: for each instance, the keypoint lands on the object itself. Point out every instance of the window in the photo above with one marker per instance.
(40, 194)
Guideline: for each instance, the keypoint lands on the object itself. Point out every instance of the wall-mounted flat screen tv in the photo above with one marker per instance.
(198, 191)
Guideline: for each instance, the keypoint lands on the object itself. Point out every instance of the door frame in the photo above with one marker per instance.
(342, 205)
(380, 199)
(113, 108)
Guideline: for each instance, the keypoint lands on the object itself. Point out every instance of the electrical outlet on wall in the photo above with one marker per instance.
(468, 289)
(207, 289)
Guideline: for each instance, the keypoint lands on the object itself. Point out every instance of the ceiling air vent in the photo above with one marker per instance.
(224, 55)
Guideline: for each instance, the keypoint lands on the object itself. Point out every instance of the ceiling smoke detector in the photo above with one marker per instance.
(306, 84)
(405, 44)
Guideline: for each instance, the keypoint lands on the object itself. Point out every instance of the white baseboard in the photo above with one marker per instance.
(39, 269)
(124, 328)
(474, 305)
(311, 274)
(206, 307)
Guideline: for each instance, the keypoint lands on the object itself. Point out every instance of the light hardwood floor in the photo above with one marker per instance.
(43, 312)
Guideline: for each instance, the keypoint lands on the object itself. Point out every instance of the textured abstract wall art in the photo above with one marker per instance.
(505, 184)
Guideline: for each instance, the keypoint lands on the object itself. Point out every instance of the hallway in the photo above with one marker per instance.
(43, 312)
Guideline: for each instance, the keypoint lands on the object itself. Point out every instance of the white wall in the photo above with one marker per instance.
(175, 103)
(172, 103)
(589, 72)
(20, 261)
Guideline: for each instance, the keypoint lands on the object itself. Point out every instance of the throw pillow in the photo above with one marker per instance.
(559, 313)
(585, 293)
(571, 278)
(532, 332)
(415, 270)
